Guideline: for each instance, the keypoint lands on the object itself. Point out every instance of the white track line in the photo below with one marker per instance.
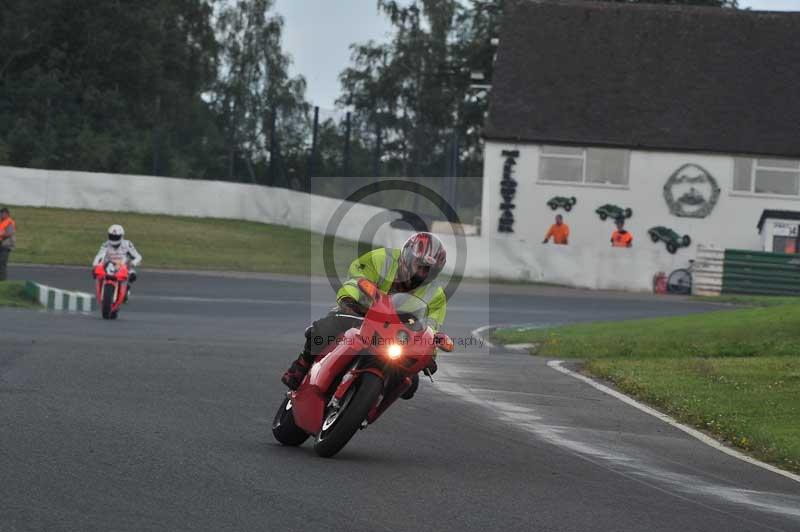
(558, 366)
(478, 335)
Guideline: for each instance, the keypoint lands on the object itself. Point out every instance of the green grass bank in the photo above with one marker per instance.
(734, 373)
(72, 237)
(12, 294)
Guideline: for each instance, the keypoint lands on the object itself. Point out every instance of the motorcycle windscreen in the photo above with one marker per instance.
(411, 310)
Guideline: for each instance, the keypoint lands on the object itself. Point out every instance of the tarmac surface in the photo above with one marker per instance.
(161, 421)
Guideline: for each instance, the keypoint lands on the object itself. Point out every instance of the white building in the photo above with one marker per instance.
(689, 117)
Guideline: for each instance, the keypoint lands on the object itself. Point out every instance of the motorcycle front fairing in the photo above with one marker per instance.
(395, 323)
(117, 275)
(311, 398)
(366, 349)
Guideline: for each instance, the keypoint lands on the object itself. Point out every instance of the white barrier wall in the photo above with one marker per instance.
(519, 256)
(180, 197)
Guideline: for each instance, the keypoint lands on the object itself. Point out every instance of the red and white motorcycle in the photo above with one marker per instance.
(111, 278)
(354, 381)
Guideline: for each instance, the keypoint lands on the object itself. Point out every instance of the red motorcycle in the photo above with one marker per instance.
(112, 285)
(354, 381)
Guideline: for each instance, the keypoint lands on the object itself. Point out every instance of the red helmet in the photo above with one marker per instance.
(422, 258)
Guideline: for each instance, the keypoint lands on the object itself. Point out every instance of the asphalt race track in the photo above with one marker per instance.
(161, 421)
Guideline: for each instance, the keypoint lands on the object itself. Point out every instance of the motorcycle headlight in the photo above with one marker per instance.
(395, 351)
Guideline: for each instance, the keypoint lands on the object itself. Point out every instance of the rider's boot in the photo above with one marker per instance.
(408, 394)
(430, 370)
(297, 372)
(131, 279)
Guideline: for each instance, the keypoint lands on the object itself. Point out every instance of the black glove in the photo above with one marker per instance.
(349, 305)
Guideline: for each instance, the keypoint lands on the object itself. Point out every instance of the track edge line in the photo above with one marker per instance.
(478, 335)
(711, 442)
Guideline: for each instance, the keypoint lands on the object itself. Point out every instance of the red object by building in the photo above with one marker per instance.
(660, 283)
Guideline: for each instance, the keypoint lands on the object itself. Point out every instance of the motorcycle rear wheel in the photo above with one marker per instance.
(108, 301)
(284, 428)
(331, 440)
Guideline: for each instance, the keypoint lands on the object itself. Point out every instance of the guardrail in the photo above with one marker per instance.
(756, 272)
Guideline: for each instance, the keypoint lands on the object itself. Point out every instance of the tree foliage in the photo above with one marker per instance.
(192, 87)
(411, 91)
(416, 90)
(254, 83)
(710, 3)
(179, 87)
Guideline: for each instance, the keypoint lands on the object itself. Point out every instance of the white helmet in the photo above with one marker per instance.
(115, 235)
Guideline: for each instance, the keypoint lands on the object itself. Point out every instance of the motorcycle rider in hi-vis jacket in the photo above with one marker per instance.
(412, 268)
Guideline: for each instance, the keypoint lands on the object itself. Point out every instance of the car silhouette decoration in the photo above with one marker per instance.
(563, 202)
(613, 211)
(672, 239)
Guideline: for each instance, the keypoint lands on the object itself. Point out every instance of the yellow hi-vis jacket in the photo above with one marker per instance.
(380, 267)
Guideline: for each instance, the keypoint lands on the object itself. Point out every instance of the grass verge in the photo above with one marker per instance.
(750, 403)
(72, 237)
(12, 294)
(734, 373)
(748, 301)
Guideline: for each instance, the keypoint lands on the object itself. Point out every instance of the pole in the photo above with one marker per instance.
(453, 175)
(156, 142)
(312, 159)
(346, 157)
(157, 139)
(376, 163)
(273, 148)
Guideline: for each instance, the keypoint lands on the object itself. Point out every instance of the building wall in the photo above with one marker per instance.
(731, 224)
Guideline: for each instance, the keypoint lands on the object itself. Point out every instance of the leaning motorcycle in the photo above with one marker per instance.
(111, 278)
(354, 381)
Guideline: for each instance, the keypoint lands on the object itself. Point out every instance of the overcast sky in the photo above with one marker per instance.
(318, 33)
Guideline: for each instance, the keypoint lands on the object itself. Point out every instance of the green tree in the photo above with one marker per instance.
(416, 89)
(179, 87)
(403, 90)
(711, 3)
(255, 83)
(93, 85)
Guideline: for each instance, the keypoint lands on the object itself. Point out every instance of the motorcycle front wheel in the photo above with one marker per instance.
(108, 301)
(284, 428)
(342, 423)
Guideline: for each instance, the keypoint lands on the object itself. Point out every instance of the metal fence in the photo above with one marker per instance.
(756, 272)
(427, 198)
(339, 160)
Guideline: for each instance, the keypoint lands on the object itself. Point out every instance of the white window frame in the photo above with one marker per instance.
(582, 157)
(755, 167)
